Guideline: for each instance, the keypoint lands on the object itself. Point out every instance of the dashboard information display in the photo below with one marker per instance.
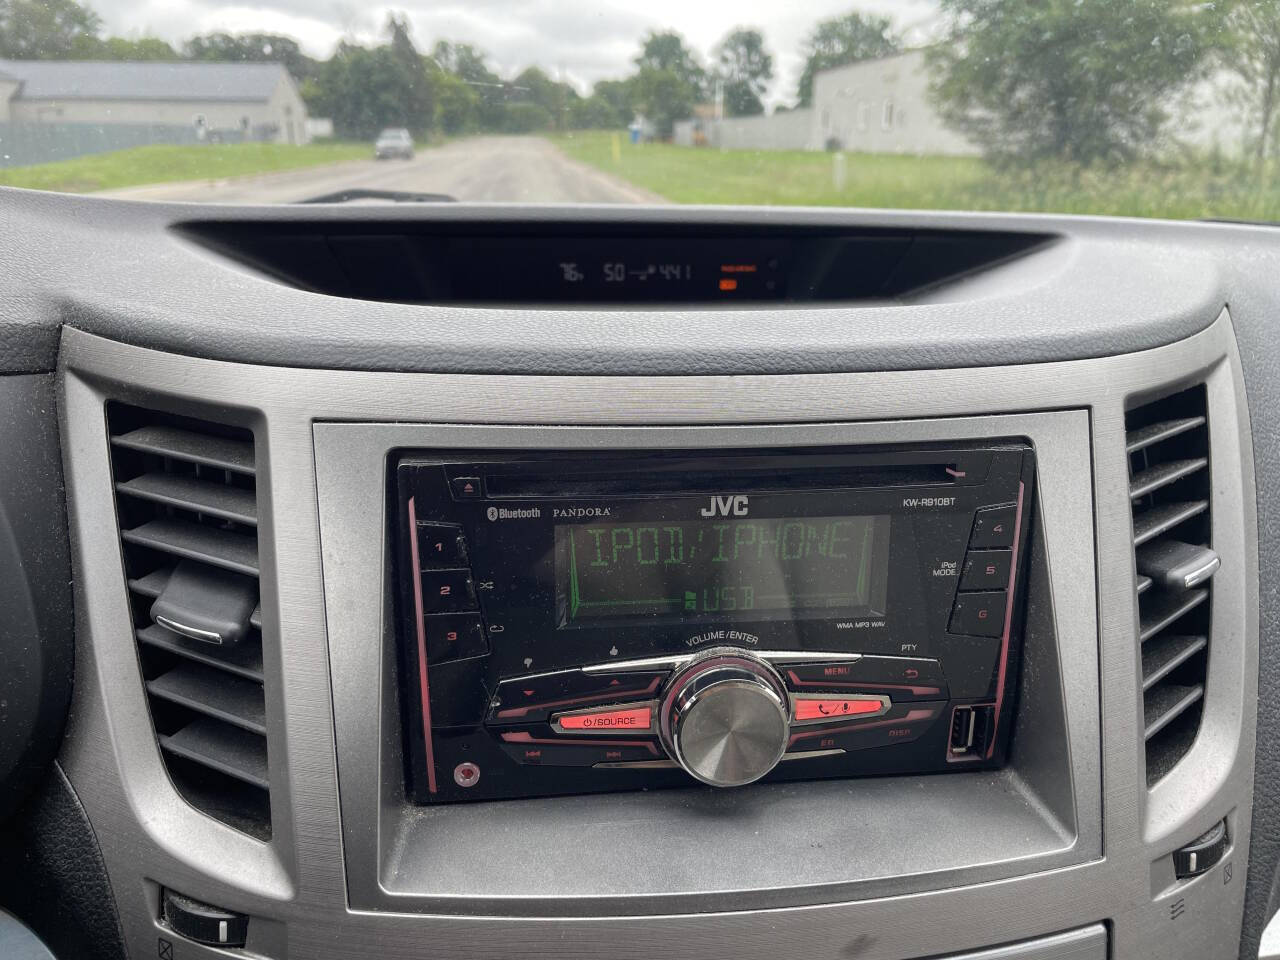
(758, 568)
(620, 270)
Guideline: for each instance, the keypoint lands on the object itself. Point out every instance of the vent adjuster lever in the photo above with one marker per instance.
(207, 604)
(1177, 565)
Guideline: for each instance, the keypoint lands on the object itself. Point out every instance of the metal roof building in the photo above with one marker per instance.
(243, 100)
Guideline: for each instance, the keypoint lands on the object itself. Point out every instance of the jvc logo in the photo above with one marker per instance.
(725, 506)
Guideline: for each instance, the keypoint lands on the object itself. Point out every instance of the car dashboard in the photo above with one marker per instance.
(339, 542)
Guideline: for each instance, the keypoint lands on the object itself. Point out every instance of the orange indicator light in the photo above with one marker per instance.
(728, 283)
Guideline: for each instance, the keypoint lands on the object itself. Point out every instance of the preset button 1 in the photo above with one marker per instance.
(441, 545)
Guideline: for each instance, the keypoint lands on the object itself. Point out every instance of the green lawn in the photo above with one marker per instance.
(164, 163)
(703, 175)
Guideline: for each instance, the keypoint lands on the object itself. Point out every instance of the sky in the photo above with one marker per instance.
(579, 42)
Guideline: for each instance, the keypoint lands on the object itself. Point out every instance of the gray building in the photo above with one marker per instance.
(209, 101)
(784, 130)
(875, 106)
(881, 106)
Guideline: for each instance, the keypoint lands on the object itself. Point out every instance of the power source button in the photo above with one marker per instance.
(609, 720)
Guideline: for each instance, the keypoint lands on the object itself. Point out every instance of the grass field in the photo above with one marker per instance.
(162, 163)
(703, 175)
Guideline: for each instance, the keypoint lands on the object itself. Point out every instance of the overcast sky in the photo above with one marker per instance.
(579, 41)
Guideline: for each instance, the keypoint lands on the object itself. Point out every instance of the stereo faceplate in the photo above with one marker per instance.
(550, 606)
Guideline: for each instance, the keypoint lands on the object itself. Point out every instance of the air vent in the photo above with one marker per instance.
(1168, 447)
(185, 499)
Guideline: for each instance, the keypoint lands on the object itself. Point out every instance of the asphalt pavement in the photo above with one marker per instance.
(479, 169)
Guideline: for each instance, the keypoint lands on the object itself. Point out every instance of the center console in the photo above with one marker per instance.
(849, 631)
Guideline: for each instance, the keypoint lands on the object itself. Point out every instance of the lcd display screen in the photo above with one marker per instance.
(756, 569)
(604, 269)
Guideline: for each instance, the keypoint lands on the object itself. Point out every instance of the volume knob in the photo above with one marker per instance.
(724, 719)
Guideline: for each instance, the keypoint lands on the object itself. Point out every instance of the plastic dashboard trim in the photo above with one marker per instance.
(1106, 287)
(299, 883)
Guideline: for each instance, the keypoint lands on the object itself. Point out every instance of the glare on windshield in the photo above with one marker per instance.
(1155, 108)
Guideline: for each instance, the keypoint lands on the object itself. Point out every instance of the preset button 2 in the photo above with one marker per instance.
(448, 591)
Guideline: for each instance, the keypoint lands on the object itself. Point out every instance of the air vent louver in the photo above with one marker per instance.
(187, 507)
(1168, 446)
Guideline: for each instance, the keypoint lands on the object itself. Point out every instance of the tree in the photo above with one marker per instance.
(143, 48)
(417, 84)
(745, 68)
(527, 118)
(663, 98)
(457, 105)
(670, 81)
(47, 29)
(667, 52)
(555, 98)
(594, 113)
(1077, 80)
(841, 41)
(365, 90)
(252, 48)
(469, 65)
(620, 96)
(1253, 52)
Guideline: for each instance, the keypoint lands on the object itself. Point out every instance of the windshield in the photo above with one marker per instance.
(1153, 108)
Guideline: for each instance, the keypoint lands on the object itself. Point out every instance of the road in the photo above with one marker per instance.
(481, 169)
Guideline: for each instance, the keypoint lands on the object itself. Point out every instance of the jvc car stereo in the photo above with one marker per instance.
(573, 623)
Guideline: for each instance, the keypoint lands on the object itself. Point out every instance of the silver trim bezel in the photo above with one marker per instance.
(339, 876)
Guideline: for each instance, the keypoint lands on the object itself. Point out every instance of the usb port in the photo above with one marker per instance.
(971, 731)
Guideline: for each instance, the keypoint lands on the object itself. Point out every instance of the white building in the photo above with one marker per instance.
(253, 101)
(881, 106)
(874, 106)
